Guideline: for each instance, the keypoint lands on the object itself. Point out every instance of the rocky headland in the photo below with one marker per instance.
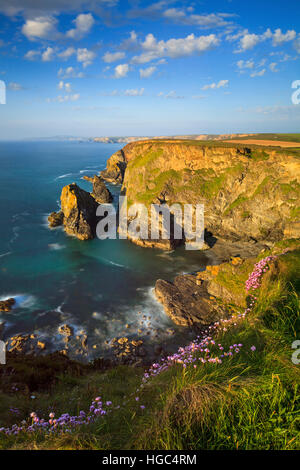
(251, 201)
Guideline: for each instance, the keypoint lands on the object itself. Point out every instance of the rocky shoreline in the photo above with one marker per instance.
(238, 227)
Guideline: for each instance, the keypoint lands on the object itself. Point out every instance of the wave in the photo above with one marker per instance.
(22, 300)
(56, 246)
(114, 264)
(5, 254)
(63, 176)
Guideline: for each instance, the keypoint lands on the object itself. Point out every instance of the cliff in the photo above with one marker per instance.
(249, 193)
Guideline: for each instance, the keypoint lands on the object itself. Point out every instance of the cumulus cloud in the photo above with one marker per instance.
(245, 64)
(42, 27)
(67, 53)
(279, 38)
(297, 45)
(121, 70)
(146, 73)
(220, 84)
(248, 41)
(110, 57)
(191, 44)
(69, 72)
(85, 56)
(130, 44)
(83, 24)
(48, 54)
(32, 55)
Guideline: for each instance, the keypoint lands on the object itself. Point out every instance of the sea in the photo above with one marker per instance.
(102, 288)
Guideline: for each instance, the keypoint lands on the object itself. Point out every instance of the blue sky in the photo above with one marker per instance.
(109, 67)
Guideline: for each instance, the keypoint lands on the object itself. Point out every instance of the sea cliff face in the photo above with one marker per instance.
(249, 193)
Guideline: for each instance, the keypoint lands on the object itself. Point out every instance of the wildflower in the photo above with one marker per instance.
(253, 348)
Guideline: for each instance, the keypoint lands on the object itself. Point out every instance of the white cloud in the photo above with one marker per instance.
(220, 84)
(170, 95)
(130, 44)
(273, 66)
(134, 92)
(245, 64)
(279, 37)
(110, 57)
(64, 98)
(65, 86)
(48, 54)
(248, 41)
(258, 73)
(85, 56)
(67, 53)
(121, 70)
(211, 20)
(146, 73)
(297, 45)
(32, 55)
(69, 72)
(83, 24)
(42, 27)
(173, 48)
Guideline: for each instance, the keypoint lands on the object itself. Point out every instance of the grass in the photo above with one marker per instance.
(250, 401)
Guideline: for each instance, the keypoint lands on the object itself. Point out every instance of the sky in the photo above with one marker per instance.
(115, 68)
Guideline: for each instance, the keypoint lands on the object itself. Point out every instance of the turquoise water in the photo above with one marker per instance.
(96, 286)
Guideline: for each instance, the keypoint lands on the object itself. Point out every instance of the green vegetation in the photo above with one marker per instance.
(237, 202)
(249, 401)
(146, 158)
(259, 155)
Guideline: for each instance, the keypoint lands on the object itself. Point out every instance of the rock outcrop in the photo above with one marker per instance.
(79, 209)
(249, 193)
(115, 168)
(100, 193)
(7, 305)
(56, 219)
(187, 302)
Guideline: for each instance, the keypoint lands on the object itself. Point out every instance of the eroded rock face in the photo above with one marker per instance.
(79, 209)
(115, 168)
(249, 193)
(187, 302)
(100, 193)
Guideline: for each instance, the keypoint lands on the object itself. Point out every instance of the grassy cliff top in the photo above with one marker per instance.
(248, 401)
